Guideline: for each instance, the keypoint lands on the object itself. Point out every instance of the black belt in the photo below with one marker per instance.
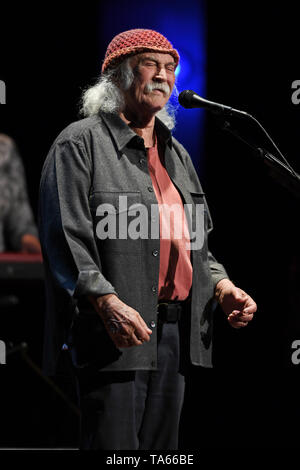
(169, 312)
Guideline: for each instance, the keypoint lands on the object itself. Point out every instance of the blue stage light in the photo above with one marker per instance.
(177, 71)
(185, 26)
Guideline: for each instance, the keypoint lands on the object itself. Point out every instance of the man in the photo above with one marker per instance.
(18, 231)
(134, 309)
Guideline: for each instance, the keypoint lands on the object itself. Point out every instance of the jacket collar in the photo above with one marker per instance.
(122, 134)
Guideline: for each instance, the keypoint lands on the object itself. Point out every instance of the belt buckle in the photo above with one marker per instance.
(173, 313)
(162, 308)
(169, 312)
(162, 312)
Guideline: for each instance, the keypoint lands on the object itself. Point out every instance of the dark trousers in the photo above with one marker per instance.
(135, 409)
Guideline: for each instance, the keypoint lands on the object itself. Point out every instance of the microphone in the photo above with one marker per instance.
(190, 99)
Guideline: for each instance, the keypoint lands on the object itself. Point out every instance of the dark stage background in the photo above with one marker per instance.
(247, 59)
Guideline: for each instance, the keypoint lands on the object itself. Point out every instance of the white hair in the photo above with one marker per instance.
(106, 95)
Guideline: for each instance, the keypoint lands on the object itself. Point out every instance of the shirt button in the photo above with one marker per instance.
(155, 252)
(153, 324)
(150, 189)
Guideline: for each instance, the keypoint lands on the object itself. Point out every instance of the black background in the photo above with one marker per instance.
(49, 53)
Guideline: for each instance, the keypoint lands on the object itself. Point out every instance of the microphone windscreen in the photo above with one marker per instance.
(185, 98)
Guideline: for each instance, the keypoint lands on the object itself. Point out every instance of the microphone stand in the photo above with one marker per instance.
(280, 171)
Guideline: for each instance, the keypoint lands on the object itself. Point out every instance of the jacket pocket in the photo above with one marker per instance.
(118, 220)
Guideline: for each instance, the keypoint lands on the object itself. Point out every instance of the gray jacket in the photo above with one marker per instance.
(92, 162)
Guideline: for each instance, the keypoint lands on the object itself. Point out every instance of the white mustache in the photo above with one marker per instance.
(164, 87)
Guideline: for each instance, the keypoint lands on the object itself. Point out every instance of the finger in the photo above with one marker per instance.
(247, 318)
(250, 302)
(236, 315)
(236, 321)
(142, 333)
(127, 341)
(237, 324)
(140, 321)
(138, 325)
(129, 333)
(239, 318)
(240, 295)
(135, 336)
(242, 314)
(144, 325)
(142, 330)
(250, 309)
(243, 317)
(134, 340)
(138, 328)
(139, 341)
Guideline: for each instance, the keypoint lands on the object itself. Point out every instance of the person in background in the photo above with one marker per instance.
(18, 231)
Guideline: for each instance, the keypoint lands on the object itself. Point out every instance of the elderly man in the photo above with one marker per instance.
(132, 305)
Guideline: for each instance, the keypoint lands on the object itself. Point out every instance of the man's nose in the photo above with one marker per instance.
(161, 74)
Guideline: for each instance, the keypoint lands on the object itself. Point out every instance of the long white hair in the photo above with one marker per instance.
(107, 97)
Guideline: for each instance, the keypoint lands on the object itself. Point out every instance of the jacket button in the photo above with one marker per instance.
(153, 324)
(142, 161)
(150, 189)
(154, 289)
(155, 252)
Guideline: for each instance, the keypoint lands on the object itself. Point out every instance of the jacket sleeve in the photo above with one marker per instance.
(65, 221)
(217, 270)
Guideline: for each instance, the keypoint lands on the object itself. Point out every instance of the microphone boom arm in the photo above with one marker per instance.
(190, 99)
(283, 173)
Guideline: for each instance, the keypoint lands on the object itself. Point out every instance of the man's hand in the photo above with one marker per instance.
(30, 244)
(125, 326)
(238, 306)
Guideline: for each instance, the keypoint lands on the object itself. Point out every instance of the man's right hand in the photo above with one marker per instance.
(124, 325)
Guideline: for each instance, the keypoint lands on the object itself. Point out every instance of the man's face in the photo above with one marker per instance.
(154, 78)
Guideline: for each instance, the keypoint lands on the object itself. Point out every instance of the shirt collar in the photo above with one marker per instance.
(122, 134)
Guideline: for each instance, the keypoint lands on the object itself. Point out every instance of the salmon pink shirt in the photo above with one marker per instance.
(175, 269)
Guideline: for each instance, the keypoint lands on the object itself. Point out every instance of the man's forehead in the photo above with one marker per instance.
(159, 56)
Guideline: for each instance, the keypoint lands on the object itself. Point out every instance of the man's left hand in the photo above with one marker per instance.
(237, 304)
